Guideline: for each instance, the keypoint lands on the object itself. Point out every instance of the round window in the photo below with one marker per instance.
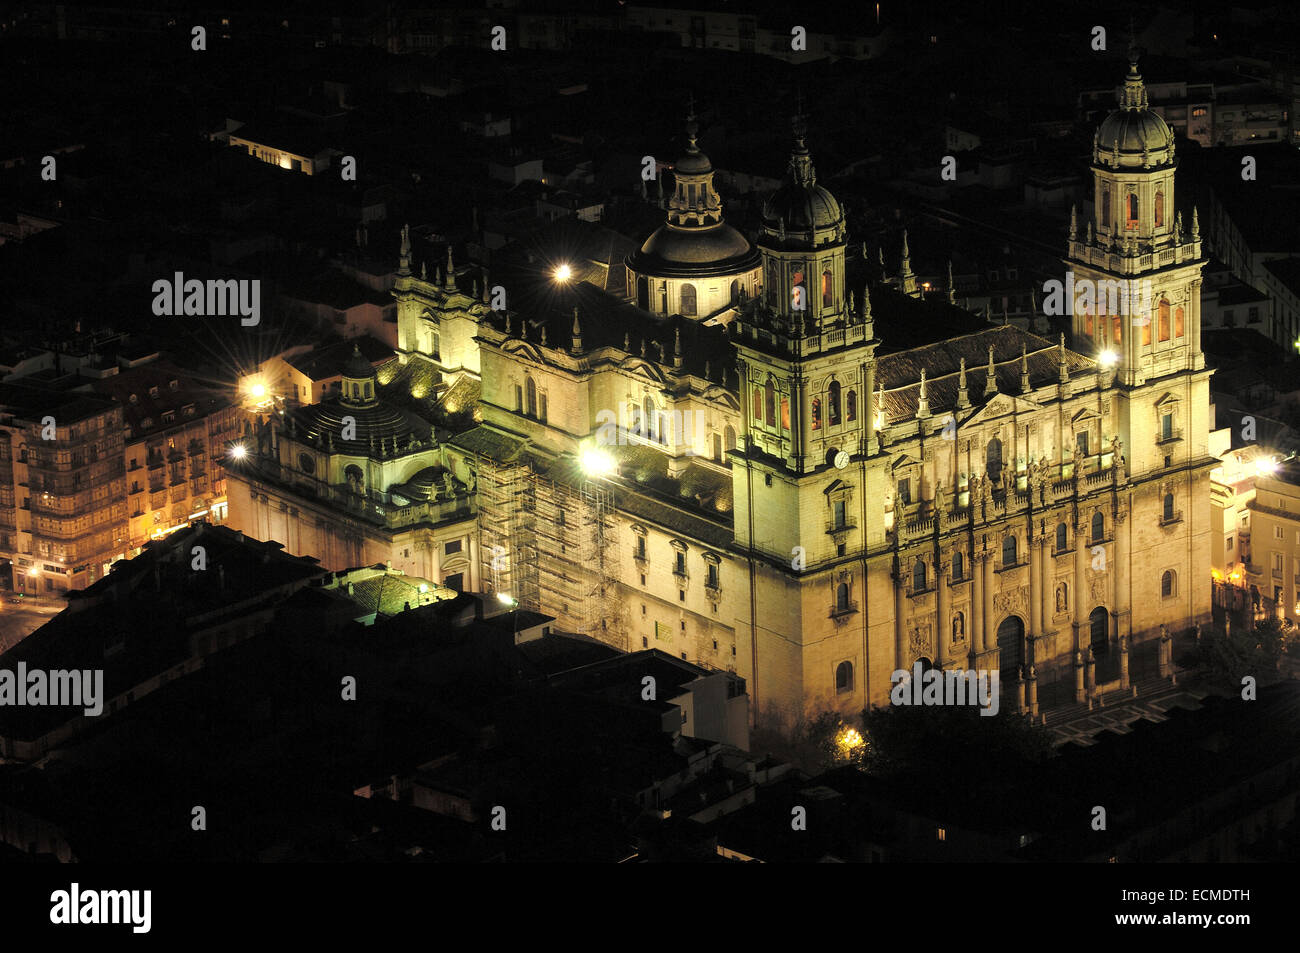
(307, 462)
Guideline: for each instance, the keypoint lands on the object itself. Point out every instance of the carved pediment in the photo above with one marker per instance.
(1000, 405)
(523, 349)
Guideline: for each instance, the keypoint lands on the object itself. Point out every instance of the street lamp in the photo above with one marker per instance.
(563, 273)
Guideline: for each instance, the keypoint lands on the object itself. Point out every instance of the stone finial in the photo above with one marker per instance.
(922, 400)
(991, 377)
(963, 396)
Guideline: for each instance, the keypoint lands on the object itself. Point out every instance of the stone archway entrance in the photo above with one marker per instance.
(1011, 642)
(1099, 625)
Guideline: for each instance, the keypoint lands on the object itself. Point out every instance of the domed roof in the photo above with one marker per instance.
(802, 207)
(678, 247)
(357, 367)
(1133, 128)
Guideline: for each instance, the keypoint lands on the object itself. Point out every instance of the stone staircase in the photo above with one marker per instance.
(1118, 709)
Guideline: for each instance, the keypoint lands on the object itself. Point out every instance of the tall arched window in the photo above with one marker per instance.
(688, 299)
(842, 597)
(958, 566)
(649, 416)
(827, 295)
(1168, 583)
(1098, 527)
(530, 395)
(816, 411)
(1132, 211)
(643, 293)
(1164, 319)
(1105, 206)
(769, 402)
(918, 575)
(833, 403)
(773, 284)
(851, 406)
(1062, 537)
(1160, 209)
(758, 404)
(844, 676)
(729, 437)
(798, 293)
(435, 345)
(735, 291)
(1008, 551)
(1178, 322)
(1169, 507)
(993, 459)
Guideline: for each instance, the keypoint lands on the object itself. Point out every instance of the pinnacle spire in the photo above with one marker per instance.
(952, 289)
(449, 276)
(404, 256)
(991, 378)
(576, 337)
(923, 399)
(963, 396)
(1024, 369)
(1062, 369)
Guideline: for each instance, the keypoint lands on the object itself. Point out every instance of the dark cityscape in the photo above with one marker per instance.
(603, 432)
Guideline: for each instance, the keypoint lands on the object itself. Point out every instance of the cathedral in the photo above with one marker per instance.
(766, 457)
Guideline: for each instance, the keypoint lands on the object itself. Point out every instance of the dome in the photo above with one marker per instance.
(671, 248)
(357, 367)
(1134, 130)
(802, 207)
(1139, 135)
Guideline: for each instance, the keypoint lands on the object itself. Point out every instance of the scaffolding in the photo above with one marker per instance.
(549, 545)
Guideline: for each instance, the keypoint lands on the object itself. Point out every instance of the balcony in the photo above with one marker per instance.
(840, 612)
(1175, 517)
(1173, 436)
(834, 527)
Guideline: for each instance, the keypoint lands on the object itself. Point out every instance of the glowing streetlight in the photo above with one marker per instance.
(238, 451)
(596, 462)
(563, 273)
(1108, 358)
(258, 391)
(1266, 466)
(506, 599)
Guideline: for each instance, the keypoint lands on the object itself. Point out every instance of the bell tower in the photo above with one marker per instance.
(806, 360)
(1134, 273)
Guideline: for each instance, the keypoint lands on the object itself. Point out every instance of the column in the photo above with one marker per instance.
(1118, 568)
(1048, 582)
(977, 604)
(1081, 552)
(1035, 586)
(900, 604)
(990, 626)
(869, 402)
(943, 635)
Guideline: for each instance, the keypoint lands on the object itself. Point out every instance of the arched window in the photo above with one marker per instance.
(530, 393)
(851, 406)
(1169, 507)
(993, 459)
(735, 291)
(827, 295)
(833, 403)
(643, 293)
(688, 299)
(435, 345)
(716, 440)
(519, 399)
(634, 417)
(1178, 322)
(354, 476)
(816, 413)
(1146, 333)
(842, 597)
(1008, 551)
(1168, 583)
(649, 417)
(785, 413)
(798, 293)
(729, 437)
(958, 566)
(1105, 206)
(918, 575)
(758, 404)
(1160, 209)
(769, 402)
(1062, 537)
(1164, 319)
(1087, 324)
(1132, 211)
(1098, 527)
(844, 676)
